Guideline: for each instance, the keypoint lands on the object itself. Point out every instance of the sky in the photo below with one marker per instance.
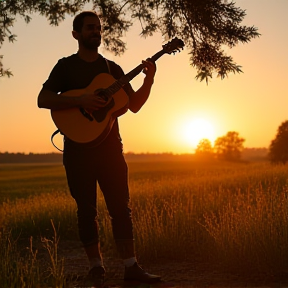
(180, 110)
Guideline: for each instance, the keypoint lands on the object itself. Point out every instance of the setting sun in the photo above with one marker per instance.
(198, 129)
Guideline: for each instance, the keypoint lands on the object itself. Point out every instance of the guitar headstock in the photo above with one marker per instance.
(173, 46)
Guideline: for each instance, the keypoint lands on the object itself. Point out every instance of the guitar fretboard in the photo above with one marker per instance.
(125, 79)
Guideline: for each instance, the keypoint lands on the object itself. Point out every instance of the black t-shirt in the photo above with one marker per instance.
(74, 73)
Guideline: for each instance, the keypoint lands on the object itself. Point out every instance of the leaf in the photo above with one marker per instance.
(205, 26)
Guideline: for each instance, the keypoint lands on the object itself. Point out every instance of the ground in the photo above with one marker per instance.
(177, 275)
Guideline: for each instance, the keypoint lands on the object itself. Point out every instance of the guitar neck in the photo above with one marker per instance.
(133, 73)
(125, 79)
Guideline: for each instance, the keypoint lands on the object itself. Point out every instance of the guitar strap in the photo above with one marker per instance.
(108, 66)
(58, 131)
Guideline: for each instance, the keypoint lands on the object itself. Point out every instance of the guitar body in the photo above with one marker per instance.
(94, 127)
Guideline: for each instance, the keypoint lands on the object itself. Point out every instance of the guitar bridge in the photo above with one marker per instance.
(86, 114)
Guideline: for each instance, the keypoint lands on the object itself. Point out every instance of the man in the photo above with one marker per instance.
(103, 163)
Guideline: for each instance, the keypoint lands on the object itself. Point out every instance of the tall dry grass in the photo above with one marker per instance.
(232, 215)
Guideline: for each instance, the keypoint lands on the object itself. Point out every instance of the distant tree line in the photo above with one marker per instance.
(30, 158)
(251, 154)
(230, 147)
(57, 157)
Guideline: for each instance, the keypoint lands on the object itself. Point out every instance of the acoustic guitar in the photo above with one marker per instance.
(92, 127)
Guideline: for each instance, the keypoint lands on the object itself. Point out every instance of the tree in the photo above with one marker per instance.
(278, 149)
(229, 147)
(204, 25)
(204, 149)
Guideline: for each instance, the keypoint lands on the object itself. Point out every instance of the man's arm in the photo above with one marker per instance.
(138, 98)
(51, 100)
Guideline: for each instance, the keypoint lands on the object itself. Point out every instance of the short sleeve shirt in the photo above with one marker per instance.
(74, 73)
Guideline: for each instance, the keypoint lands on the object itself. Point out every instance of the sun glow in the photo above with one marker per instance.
(198, 129)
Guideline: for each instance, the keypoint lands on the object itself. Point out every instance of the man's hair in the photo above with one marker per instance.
(79, 19)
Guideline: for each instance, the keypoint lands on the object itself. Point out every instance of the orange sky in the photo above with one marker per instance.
(253, 103)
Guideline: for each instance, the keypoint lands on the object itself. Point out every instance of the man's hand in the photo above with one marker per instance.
(138, 98)
(92, 102)
(149, 69)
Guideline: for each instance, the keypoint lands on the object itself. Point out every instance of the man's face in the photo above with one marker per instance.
(90, 35)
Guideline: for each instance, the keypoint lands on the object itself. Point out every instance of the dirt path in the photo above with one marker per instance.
(175, 275)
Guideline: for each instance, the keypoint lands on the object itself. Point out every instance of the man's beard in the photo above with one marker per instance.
(92, 44)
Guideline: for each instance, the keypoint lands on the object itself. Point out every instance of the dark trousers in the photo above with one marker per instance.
(84, 168)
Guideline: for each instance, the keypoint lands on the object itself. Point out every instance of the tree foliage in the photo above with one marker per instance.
(278, 149)
(204, 25)
(229, 147)
(204, 149)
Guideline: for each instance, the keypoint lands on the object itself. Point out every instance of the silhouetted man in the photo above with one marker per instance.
(103, 163)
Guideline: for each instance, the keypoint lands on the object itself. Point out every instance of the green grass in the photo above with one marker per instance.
(232, 215)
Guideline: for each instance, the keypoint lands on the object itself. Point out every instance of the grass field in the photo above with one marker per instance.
(232, 215)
